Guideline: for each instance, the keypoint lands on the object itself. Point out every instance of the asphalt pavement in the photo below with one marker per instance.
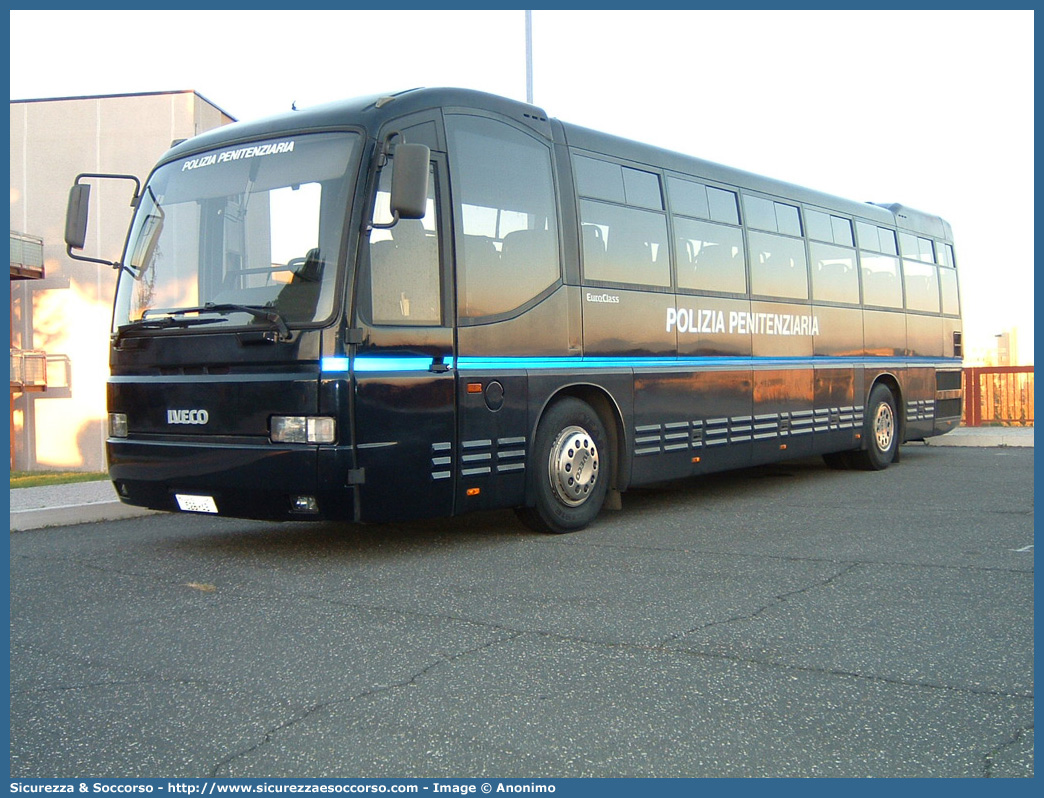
(780, 621)
(87, 502)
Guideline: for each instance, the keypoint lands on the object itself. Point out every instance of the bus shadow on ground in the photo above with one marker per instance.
(234, 537)
(244, 538)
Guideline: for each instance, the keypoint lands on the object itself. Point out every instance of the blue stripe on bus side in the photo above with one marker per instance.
(386, 363)
(523, 363)
(381, 363)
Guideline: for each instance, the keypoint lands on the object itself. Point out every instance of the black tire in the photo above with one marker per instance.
(569, 469)
(880, 432)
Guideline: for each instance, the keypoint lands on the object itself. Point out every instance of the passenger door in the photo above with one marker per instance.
(404, 408)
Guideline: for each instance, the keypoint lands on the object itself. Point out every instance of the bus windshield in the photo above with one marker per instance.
(249, 227)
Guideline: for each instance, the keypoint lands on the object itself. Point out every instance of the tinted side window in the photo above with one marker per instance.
(599, 179)
(918, 248)
(624, 232)
(506, 219)
(787, 219)
(950, 299)
(777, 266)
(868, 238)
(818, 226)
(710, 256)
(877, 239)
(776, 217)
(922, 286)
(642, 189)
(827, 227)
(690, 198)
(946, 250)
(834, 275)
(882, 286)
(624, 245)
(405, 287)
(887, 239)
(724, 206)
(616, 183)
(842, 231)
(759, 213)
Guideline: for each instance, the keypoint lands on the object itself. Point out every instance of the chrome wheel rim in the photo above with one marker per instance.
(884, 426)
(573, 466)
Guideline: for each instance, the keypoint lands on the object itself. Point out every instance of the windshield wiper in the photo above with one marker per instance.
(161, 324)
(265, 313)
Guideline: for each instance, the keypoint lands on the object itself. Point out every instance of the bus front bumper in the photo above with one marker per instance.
(263, 482)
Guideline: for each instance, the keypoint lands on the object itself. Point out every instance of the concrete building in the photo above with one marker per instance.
(63, 314)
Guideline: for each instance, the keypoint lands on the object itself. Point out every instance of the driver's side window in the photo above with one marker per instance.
(405, 286)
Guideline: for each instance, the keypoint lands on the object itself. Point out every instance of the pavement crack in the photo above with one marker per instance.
(308, 712)
(774, 602)
(726, 553)
(413, 613)
(989, 764)
(889, 680)
(663, 646)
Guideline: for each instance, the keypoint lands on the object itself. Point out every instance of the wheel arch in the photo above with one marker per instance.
(608, 409)
(891, 382)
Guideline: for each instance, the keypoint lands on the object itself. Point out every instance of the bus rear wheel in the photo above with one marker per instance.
(569, 469)
(880, 431)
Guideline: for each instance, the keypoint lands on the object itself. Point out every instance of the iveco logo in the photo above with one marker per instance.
(187, 416)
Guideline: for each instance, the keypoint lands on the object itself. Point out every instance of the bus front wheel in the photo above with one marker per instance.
(569, 469)
(880, 431)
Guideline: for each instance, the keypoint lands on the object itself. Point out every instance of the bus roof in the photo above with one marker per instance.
(882, 213)
(373, 111)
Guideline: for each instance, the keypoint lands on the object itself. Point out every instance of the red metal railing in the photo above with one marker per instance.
(998, 396)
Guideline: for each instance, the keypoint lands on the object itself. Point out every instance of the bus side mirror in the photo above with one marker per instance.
(409, 189)
(76, 216)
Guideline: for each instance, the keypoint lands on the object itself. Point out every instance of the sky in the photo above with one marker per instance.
(933, 109)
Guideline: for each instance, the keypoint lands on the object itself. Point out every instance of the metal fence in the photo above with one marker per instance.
(26, 256)
(28, 370)
(998, 396)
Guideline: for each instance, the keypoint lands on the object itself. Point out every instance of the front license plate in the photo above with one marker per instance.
(196, 504)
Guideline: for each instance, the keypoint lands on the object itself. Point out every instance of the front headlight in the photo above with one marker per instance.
(303, 429)
(117, 425)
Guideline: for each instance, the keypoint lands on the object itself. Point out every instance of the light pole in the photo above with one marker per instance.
(529, 57)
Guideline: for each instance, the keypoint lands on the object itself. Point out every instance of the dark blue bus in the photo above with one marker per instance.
(440, 301)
